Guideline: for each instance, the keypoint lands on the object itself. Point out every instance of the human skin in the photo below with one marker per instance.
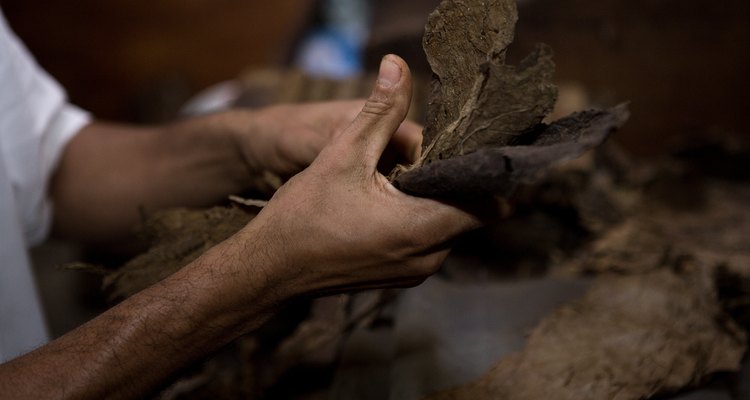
(111, 174)
(337, 226)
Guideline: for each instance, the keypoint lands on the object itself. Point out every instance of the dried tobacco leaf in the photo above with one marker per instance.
(483, 132)
(473, 91)
(178, 236)
(497, 170)
(630, 337)
(681, 215)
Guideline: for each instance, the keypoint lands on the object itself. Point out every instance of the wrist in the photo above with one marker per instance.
(254, 137)
(208, 145)
(237, 283)
(233, 127)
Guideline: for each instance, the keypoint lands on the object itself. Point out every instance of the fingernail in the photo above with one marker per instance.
(390, 73)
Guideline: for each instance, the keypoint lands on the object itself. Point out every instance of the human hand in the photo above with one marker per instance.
(340, 225)
(285, 139)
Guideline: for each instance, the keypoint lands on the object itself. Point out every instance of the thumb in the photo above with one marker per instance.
(382, 114)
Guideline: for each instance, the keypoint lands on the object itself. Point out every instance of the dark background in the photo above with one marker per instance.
(682, 63)
(113, 55)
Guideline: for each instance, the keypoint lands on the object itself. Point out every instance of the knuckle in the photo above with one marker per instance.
(333, 159)
(416, 242)
(408, 241)
(414, 236)
(377, 107)
(423, 267)
(412, 282)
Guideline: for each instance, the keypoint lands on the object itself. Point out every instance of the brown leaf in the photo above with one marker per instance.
(497, 170)
(476, 99)
(629, 338)
(483, 132)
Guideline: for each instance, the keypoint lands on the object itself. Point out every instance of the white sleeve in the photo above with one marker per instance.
(36, 123)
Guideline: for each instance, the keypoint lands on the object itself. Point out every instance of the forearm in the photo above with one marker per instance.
(130, 350)
(109, 174)
(338, 225)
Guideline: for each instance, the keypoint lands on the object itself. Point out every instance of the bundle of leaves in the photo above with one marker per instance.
(484, 132)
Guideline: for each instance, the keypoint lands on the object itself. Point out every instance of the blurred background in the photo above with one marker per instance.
(683, 65)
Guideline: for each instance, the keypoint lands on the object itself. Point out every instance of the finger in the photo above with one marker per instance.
(444, 220)
(454, 221)
(382, 114)
(407, 141)
(404, 148)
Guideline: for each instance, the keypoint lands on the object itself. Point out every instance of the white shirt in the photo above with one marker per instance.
(36, 122)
